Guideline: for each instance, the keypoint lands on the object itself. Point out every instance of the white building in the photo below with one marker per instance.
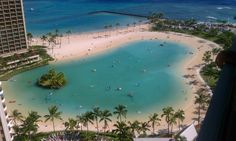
(5, 123)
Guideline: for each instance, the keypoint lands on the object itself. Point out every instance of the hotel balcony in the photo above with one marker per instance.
(219, 123)
(1, 91)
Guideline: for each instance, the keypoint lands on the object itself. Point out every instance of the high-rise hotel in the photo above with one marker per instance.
(12, 28)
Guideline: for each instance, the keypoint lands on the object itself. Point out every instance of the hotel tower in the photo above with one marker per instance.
(12, 28)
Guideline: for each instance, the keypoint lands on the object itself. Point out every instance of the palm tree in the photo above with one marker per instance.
(207, 57)
(167, 112)
(70, 124)
(53, 114)
(144, 127)
(117, 25)
(16, 116)
(110, 27)
(96, 114)
(43, 38)
(153, 119)
(200, 99)
(56, 35)
(30, 126)
(135, 126)
(87, 118)
(61, 35)
(29, 37)
(134, 24)
(49, 35)
(122, 131)
(52, 41)
(80, 121)
(180, 116)
(172, 121)
(120, 111)
(68, 34)
(105, 117)
(128, 26)
(56, 32)
(105, 27)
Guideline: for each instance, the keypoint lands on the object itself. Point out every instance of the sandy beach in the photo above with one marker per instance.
(83, 45)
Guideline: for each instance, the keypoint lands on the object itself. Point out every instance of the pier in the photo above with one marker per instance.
(118, 13)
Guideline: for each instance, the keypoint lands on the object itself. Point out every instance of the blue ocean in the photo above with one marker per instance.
(43, 16)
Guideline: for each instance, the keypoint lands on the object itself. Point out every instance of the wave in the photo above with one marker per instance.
(224, 7)
(211, 17)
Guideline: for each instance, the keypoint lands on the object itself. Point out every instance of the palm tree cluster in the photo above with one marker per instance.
(155, 17)
(172, 118)
(52, 80)
(54, 38)
(210, 71)
(26, 127)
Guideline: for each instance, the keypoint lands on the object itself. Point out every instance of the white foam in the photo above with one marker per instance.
(224, 7)
(211, 17)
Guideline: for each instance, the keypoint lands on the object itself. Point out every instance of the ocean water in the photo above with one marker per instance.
(44, 16)
(147, 82)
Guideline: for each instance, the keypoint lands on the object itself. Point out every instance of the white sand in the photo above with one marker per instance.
(93, 43)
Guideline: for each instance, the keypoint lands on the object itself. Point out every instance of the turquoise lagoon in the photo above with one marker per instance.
(141, 75)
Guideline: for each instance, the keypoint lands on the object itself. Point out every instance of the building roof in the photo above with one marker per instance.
(189, 133)
(152, 139)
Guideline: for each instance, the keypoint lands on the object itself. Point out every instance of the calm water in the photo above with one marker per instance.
(43, 16)
(148, 81)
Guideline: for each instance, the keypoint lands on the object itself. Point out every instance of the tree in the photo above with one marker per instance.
(128, 26)
(172, 121)
(135, 126)
(29, 38)
(52, 41)
(80, 121)
(96, 114)
(30, 126)
(154, 17)
(201, 99)
(134, 24)
(105, 117)
(207, 57)
(153, 119)
(52, 80)
(53, 114)
(117, 25)
(70, 124)
(120, 111)
(122, 131)
(68, 35)
(180, 116)
(43, 38)
(167, 113)
(16, 116)
(87, 118)
(215, 51)
(106, 27)
(144, 128)
(61, 35)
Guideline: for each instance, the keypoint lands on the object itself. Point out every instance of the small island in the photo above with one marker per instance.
(52, 80)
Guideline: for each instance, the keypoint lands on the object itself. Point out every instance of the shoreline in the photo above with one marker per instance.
(97, 43)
